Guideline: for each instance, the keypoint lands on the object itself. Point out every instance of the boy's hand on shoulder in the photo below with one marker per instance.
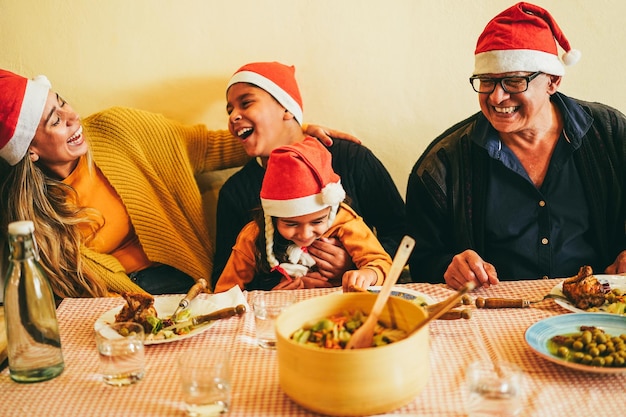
(326, 135)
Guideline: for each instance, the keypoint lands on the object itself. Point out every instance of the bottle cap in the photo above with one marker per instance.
(23, 227)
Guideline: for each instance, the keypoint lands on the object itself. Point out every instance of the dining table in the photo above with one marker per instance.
(549, 389)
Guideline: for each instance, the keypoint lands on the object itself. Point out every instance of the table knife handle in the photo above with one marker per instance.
(501, 303)
(220, 314)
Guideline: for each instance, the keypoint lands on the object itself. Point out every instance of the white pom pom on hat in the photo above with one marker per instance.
(21, 108)
(523, 37)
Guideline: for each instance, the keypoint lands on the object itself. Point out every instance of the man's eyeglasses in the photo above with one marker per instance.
(512, 85)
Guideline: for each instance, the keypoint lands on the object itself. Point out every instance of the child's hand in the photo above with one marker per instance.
(293, 284)
(359, 278)
(316, 280)
(326, 135)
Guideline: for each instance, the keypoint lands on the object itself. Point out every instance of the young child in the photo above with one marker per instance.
(302, 201)
(265, 111)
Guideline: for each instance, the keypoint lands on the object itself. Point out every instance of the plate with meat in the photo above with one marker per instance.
(153, 313)
(587, 292)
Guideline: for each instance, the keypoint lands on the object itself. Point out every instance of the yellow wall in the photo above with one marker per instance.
(392, 72)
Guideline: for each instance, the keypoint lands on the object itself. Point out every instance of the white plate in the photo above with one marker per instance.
(539, 334)
(615, 281)
(417, 297)
(165, 305)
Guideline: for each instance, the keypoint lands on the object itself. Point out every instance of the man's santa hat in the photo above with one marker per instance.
(277, 79)
(21, 108)
(522, 38)
(299, 180)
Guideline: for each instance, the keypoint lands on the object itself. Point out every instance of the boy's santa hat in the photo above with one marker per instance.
(522, 38)
(277, 79)
(21, 107)
(299, 180)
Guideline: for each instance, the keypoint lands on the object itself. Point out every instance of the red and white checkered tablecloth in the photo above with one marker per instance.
(550, 389)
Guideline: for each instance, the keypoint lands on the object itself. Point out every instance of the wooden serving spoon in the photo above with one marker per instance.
(364, 335)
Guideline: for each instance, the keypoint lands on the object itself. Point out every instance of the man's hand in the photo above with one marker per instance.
(469, 266)
(619, 266)
(331, 258)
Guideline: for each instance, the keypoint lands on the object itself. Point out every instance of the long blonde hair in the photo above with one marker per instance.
(27, 193)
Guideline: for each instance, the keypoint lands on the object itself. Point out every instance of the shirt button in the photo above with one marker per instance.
(542, 203)
(544, 240)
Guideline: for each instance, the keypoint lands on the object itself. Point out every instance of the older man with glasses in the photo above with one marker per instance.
(532, 186)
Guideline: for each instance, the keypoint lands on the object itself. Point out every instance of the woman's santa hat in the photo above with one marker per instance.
(522, 38)
(21, 108)
(299, 180)
(277, 79)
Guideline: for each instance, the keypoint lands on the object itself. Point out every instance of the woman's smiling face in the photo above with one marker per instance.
(59, 140)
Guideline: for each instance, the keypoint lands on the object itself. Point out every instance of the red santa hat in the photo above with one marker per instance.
(299, 180)
(21, 107)
(277, 79)
(522, 38)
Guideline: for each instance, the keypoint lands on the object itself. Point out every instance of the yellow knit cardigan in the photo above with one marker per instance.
(152, 162)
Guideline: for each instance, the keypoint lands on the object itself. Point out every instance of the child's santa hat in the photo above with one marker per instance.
(299, 180)
(277, 79)
(21, 107)
(522, 38)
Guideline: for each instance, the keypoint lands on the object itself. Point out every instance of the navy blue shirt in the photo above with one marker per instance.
(525, 224)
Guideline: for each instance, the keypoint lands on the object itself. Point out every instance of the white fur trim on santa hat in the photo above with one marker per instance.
(35, 97)
(271, 87)
(294, 207)
(331, 195)
(516, 60)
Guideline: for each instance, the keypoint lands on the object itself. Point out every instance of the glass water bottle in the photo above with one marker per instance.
(33, 341)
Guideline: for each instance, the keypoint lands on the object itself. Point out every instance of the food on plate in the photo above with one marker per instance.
(591, 346)
(615, 303)
(584, 290)
(139, 308)
(334, 332)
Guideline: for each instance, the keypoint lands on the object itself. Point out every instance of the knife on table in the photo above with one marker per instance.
(512, 302)
(216, 315)
(193, 292)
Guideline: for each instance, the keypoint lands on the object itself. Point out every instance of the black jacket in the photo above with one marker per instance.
(446, 192)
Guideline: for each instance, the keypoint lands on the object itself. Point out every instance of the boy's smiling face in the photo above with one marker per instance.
(257, 119)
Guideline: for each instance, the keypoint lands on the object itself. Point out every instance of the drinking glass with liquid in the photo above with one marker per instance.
(205, 382)
(121, 350)
(267, 306)
(493, 389)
